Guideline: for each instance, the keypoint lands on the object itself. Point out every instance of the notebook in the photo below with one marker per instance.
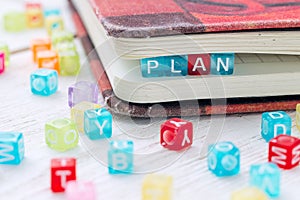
(192, 106)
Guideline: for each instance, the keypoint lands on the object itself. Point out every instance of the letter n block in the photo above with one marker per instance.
(157, 187)
(62, 171)
(275, 123)
(222, 63)
(120, 157)
(284, 150)
(198, 64)
(11, 148)
(176, 134)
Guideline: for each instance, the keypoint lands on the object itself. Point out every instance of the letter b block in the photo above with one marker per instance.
(120, 157)
(284, 150)
(176, 134)
(11, 148)
(157, 187)
(61, 134)
(275, 123)
(62, 171)
(222, 63)
(266, 177)
(224, 159)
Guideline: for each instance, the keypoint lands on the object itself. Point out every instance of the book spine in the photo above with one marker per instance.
(191, 65)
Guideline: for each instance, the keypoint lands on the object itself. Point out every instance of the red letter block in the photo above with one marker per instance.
(62, 170)
(284, 150)
(176, 134)
(198, 64)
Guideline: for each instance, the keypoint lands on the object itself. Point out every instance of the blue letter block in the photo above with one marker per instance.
(275, 123)
(266, 177)
(120, 157)
(11, 148)
(164, 66)
(44, 82)
(222, 63)
(97, 123)
(224, 159)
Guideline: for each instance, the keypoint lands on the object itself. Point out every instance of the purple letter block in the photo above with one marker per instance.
(83, 91)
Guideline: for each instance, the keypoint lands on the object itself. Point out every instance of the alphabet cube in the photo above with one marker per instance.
(62, 36)
(275, 123)
(266, 177)
(284, 150)
(65, 46)
(298, 116)
(164, 66)
(2, 62)
(51, 11)
(69, 63)
(61, 134)
(82, 91)
(14, 21)
(39, 45)
(79, 190)
(11, 148)
(44, 82)
(120, 157)
(198, 64)
(62, 171)
(157, 187)
(97, 123)
(4, 48)
(77, 113)
(48, 59)
(222, 63)
(54, 23)
(34, 15)
(176, 134)
(224, 159)
(249, 193)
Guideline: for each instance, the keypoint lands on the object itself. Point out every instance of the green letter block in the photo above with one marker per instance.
(69, 63)
(4, 48)
(61, 36)
(14, 21)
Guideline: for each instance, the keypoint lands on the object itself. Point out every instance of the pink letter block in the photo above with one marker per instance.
(78, 190)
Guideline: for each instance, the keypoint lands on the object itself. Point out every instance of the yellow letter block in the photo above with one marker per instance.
(158, 187)
(298, 116)
(249, 193)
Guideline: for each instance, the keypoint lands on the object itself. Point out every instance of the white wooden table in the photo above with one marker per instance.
(24, 112)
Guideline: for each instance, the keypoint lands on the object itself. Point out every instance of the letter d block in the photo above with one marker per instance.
(120, 157)
(176, 134)
(61, 134)
(275, 123)
(11, 148)
(62, 171)
(222, 63)
(157, 187)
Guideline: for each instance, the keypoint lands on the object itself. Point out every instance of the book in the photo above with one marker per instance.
(204, 106)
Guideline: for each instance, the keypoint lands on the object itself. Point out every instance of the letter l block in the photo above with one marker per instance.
(11, 148)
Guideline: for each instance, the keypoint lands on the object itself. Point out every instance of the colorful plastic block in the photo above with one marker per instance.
(62, 36)
(44, 82)
(198, 64)
(224, 159)
(48, 59)
(14, 21)
(157, 187)
(11, 148)
(120, 157)
(298, 116)
(61, 134)
(2, 62)
(62, 171)
(4, 48)
(97, 123)
(38, 45)
(249, 193)
(79, 190)
(266, 177)
(275, 123)
(176, 134)
(284, 150)
(82, 91)
(222, 63)
(34, 15)
(51, 11)
(164, 66)
(54, 23)
(69, 63)
(65, 46)
(77, 113)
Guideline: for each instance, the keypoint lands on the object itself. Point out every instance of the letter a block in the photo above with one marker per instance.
(275, 123)
(249, 193)
(284, 150)
(11, 148)
(62, 171)
(266, 177)
(224, 159)
(176, 134)
(98, 123)
(298, 116)
(199, 64)
(61, 134)
(157, 187)
(78, 190)
(222, 63)
(120, 157)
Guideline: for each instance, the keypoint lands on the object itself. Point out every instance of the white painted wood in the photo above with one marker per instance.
(22, 111)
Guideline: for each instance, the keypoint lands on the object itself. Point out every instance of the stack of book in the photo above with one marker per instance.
(148, 49)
